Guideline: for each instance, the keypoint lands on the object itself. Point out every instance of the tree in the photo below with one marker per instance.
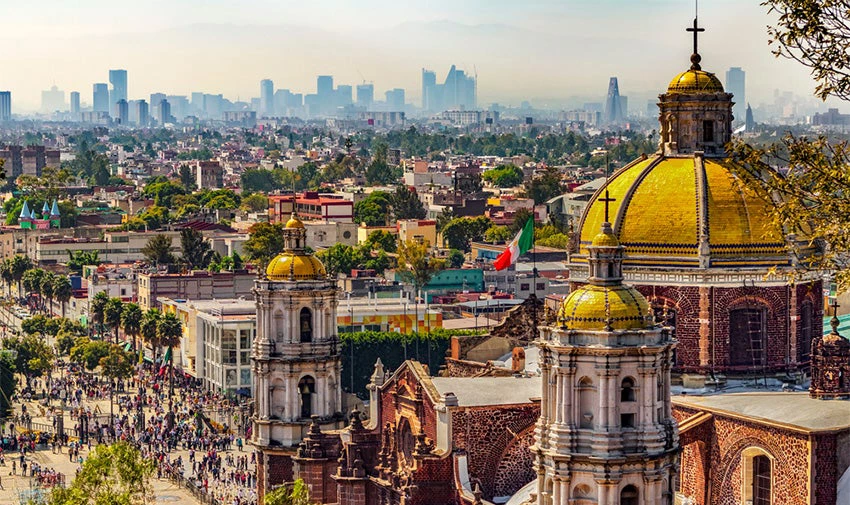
(456, 258)
(169, 332)
(255, 203)
(444, 218)
(20, 264)
(32, 281)
(340, 258)
(62, 290)
(504, 176)
(8, 382)
(374, 209)
(265, 241)
(417, 266)
(64, 343)
(148, 330)
(48, 280)
(196, 251)
(458, 233)
(96, 309)
(7, 274)
(299, 494)
(158, 250)
(33, 357)
(117, 365)
(89, 352)
(78, 259)
(382, 240)
(131, 321)
(497, 234)
(406, 204)
(113, 474)
(545, 186)
(112, 311)
(186, 178)
(379, 171)
(259, 180)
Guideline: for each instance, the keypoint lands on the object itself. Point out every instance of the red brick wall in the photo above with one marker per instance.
(685, 300)
(487, 435)
(826, 469)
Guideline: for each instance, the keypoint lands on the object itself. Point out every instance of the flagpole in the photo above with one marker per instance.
(534, 274)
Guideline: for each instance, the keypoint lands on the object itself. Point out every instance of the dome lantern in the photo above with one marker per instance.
(294, 263)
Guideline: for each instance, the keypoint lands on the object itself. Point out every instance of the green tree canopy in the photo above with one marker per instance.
(416, 265)
(373, 210)
(196, 251)
(504, 176)
(545, 186)
(406, 204)
(459, 232)
(158, 250)
(265, 241)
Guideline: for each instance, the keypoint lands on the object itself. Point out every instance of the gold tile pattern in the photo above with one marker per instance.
(292, 266)
(695, 81)
(601, 308)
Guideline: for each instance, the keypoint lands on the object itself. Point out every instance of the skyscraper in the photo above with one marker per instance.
(429, 90)
(5, 105)
(736, 83)
(122, 111)
(343, 95)
(100, 97)
(164, 110)
(459, 91)
(156, 98)
(118, 79)
(750, 122)
(324, 85)
(613, 107)
(52, 100)
(75, 103)
(395, 99)
(365, 95)
(266, 98)
(142, 113)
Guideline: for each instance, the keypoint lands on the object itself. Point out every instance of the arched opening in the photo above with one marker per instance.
(278, 392)
(806, 321)
(406, 442)
(306, 325)
(627, 390)
(586, 402)
(747, 336)
(306, 390)
(757, 478)
(629, 495)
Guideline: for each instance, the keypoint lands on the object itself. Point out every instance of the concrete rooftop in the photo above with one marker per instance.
(483, 391)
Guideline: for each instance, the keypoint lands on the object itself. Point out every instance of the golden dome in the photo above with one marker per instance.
(605, 240)
(600, 308)
(660, 205)
(290, 265)
(695, 81)
(294, 222)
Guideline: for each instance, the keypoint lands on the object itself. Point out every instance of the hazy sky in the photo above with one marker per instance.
(546, 50)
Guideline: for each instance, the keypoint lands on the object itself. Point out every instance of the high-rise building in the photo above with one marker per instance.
(118, 79)
(75, 103)
(324, 95)
(52, 100)
(324, 85)
(5, 105)
(156, 98)
(750, 122)
(613, 107)
(395, 99)
(736, 83)
(267, 98)
(100, 97)
(365, 95)
(458, 92)
(197, 103)
(122, 111)
(624, 106)
(164, 112)
(179, 106)
(343, 95)
(142, 113)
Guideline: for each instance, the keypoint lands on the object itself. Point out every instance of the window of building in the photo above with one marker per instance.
(627, 390)
(541, 286)
(587, 402)
(747, 336)
(306, 325)
(627, 420)
(306, 390)
(708, 131)
(629, 495)
(757, 476)
(761, 480)
(806, 331)
(523, 287)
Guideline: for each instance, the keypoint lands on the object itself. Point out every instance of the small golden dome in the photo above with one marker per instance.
(695, 81)
(294, 222)
(603, 308)
(290, 265)
(605, 240)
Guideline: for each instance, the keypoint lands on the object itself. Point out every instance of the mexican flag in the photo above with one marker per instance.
(516, 247)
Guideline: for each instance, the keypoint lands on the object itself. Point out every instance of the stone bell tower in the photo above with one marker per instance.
(296, 357)
(606, 435)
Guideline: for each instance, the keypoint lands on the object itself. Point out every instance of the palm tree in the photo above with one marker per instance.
(168, 331)
(32, 281)
(62, 290)
(96, 306)
(7, 274)
(20, 265)
(112, 314)
(131, 321)
(148, 330)
(48, 281)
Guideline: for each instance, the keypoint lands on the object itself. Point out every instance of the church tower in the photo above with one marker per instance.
(606, 435)
(295, 355)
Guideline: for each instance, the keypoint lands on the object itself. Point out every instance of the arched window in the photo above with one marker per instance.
(627, 390)
(806, 321)
(306, 325)
(629, 495)
(406, 442)
(278, 399)
(586, 402)
(757, 478)
(306, 391)
(747, 336)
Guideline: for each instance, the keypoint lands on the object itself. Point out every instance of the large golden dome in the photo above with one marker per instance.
(662, 203)
(602, 308)
(291, 265)
(695, 81)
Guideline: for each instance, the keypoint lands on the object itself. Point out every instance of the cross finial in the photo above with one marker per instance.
(834, 322)
(607, 199)
(696, 58)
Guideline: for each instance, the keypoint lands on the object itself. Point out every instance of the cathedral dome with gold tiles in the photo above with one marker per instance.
(695, 81)
(605, 308)
(295, 263)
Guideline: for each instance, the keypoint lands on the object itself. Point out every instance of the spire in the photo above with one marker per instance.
(25, 211)
(44, 209)
(696, 58)
(605, 255)
(54, 209)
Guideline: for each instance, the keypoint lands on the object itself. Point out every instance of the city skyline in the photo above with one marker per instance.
(578, 47)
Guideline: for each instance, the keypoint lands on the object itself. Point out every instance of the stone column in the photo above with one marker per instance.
(603, 400)
(793, 317)
(704, 328)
